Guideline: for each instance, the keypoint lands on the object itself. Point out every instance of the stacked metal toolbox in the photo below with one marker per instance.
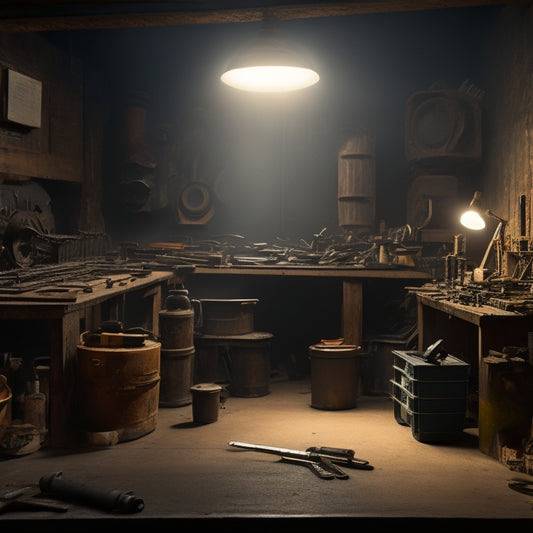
(429, 397)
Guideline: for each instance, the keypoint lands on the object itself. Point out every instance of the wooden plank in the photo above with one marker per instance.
(28, 19)
(64, 340)
(48, 295)
(315, 271)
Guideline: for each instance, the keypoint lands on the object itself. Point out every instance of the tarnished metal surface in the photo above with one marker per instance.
(118, 388)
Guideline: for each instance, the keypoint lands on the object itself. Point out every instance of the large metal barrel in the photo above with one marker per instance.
(228, 316)
(250, 365)
(176, 328)
(118, 388)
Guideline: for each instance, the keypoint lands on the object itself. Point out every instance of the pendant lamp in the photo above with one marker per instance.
(270, 65)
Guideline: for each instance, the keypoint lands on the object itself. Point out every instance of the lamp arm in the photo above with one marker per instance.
(493, 215)
(491, 244)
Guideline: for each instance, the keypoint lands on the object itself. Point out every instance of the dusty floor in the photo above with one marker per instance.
(186, 473)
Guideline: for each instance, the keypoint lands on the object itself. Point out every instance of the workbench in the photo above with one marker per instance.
(352, 286)
(469, 332)
(69, 315)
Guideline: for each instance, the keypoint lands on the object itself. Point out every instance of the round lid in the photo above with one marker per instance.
(336, 347)
(206, 387)
(230, 300)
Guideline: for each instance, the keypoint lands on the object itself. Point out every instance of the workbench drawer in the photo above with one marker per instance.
(427, 405)
(430, 428)
(414, 366)
(430, 389)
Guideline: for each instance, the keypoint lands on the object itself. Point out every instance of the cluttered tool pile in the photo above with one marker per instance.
(66, 281)
(506, 295)
(396, 248)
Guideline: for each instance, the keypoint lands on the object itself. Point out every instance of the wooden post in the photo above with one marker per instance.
(352, 311)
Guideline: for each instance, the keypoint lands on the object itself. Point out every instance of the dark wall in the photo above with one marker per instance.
(276, 157)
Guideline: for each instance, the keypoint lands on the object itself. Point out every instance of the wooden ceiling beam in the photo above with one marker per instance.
(132, 17)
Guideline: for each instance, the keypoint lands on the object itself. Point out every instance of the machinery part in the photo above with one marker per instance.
(106, 499)
(195, 199)
(195, 205)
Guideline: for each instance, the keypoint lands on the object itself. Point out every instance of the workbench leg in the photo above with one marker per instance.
(65, 333)
(352, 312)
(420, 326)
(155, 294)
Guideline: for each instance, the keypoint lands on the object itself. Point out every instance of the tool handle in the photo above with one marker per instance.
(328, 450)
(358, 464)
(108, 500)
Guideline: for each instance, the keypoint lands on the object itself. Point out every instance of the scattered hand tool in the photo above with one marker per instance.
(322, 460)
(106, 499)
(323, 468)
(521, 485)
(26, 498)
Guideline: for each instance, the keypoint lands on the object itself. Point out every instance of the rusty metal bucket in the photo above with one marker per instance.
(118, 388)
(205, 402)
(228, 317)
(334, 376)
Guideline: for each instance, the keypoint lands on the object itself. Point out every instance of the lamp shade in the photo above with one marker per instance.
(472, 218)
(270, 66)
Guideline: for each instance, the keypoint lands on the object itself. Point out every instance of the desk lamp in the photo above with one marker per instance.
(473, 219)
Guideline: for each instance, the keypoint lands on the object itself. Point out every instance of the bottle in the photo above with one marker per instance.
(35, 409)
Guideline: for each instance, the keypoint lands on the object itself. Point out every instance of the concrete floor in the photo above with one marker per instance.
(188, 476)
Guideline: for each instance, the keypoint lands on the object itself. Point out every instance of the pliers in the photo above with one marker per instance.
(322, 467)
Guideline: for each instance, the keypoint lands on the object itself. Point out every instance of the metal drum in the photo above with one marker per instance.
(250, 365)
(205, 402)
(334, 376)
(118, 388)
(228, 317)
(177, 367)
(176, 328)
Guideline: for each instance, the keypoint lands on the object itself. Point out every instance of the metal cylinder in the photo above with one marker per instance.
(205, 402)
(176, 329)
(118, 388)
(228, 317)
(334, 376)
(177, 367)
(250, 366)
